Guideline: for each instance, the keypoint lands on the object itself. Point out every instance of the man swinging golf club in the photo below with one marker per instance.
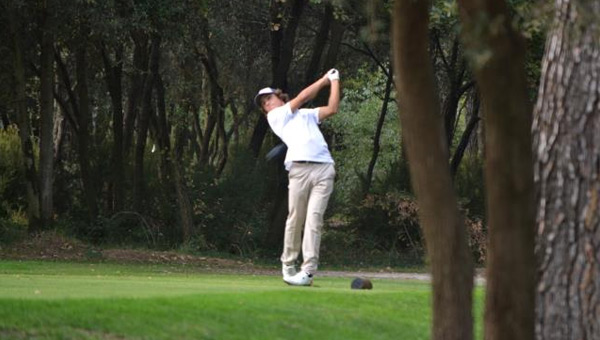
(311, 171)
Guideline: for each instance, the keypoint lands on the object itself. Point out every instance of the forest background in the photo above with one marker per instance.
(131, 123)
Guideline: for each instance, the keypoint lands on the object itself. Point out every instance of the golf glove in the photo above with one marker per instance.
(333, 74)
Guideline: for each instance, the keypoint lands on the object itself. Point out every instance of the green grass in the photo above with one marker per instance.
(48, 300)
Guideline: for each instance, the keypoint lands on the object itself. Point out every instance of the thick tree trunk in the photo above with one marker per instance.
(24, 124)
(501, 78)
(567, 174)
(47, 115)
(423, 130)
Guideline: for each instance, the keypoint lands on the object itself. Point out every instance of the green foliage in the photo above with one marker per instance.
(389, 221)
(12, 177)
(382, 230)
(229, 214)
(354, 129)
(469, 184)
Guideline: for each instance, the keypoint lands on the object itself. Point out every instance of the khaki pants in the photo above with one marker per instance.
(310, 186)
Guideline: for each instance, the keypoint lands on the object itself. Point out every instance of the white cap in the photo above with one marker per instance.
(262, 92)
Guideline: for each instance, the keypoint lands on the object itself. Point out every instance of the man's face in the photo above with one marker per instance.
(269, 102)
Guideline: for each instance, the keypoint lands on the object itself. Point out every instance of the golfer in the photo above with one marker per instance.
(311, 171)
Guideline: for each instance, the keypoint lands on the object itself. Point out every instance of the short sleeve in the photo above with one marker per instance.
(278, 117)
(315, 114)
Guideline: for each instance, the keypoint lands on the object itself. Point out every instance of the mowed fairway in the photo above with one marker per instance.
(47, 300)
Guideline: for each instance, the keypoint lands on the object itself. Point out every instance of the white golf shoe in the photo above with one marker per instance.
(288, 271)
(300, 279)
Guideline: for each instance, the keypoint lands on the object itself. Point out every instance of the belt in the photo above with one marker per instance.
(308, 162)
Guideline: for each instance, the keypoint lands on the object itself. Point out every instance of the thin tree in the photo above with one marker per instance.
(46, 113)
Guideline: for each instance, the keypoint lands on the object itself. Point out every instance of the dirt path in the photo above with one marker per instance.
(55, 247)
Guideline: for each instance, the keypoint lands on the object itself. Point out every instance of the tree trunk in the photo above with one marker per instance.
(4, 117)
(423, 130)
(282, 48)
(335, 41)
(47, 115)
(142, 131)
(567, 174)
(473, 108)
(183, 201)
(288, 43)
(138, 83)
(163, 131)
(24, 124)
(462, 145)
(84, 120)
(499, 70)
(377, 137)
(70, 111)
(217, 103)
(114, 71)
(317, 50)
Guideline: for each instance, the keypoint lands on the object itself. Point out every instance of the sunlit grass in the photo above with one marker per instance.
(105, 301)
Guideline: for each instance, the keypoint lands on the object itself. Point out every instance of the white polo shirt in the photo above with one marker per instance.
(301, 133)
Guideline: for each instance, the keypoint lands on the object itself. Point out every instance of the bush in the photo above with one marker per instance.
(230, 211)
(469, 185)
(385, 230)
(12, 177)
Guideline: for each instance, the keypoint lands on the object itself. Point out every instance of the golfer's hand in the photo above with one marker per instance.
(333, 74)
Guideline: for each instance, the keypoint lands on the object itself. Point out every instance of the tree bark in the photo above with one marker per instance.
(47, 114)
(498, 60)
(567, 175)
(423, 130)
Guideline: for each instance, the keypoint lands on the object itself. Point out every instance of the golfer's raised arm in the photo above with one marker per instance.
(334, 96)
(308, 94)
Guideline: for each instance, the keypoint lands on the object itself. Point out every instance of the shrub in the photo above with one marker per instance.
(12, 177)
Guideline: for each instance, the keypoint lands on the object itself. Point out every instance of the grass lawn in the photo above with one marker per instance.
(50, 300)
